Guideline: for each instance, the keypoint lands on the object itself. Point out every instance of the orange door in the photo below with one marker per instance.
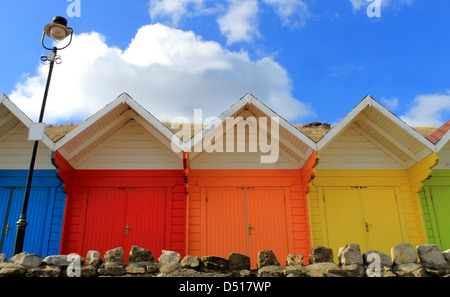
(246, 220)
(225, 222)
(267, 226)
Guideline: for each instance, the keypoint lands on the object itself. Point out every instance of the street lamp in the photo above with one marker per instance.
(58, 31)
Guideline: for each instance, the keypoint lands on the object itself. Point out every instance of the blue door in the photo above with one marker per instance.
(37, 218)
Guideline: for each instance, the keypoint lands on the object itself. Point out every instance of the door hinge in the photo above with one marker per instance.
(206, 198)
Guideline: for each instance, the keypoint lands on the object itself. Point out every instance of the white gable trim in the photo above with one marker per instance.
(24, 119)
(370, 102)
(124, 98)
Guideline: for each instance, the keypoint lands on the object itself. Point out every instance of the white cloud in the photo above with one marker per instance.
(175, 9)
(168, 71)
(390, 103)
(292, 12)
(428, 110)
(240, 23)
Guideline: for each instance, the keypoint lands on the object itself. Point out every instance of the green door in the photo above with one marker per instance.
(440, 199)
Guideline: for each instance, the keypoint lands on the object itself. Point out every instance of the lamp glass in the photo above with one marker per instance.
(57, 33)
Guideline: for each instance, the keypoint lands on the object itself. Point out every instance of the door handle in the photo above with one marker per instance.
(7, 228)
(367, 227)
(250, 229)
(126, 230)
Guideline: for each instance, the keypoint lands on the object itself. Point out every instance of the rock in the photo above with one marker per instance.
(371, 256)
(213, 263)
(11, 269)
(430, 255)
(320, 254)
(2, 258)
(63, 260)
(114, 255)
(93, 258)
(294, 260)
(353, 270)
(238, 261)
(135, 268)
(246, 273)
(88, 271)
(169, 257)
(409, 270)
(169, 267)
(323, 269)
(151, 268)
(447, 255)
(271, 271)
(6, 272)
(266, 258)
(403, 253)
(114, 268)
(27, 259)
(47, 271)
(138, 254)
(350, 254)
(293, 270)
(190, 262)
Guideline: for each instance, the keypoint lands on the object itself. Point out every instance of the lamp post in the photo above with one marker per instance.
(58, 31)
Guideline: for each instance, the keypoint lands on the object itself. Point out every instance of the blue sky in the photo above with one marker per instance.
(308, 60)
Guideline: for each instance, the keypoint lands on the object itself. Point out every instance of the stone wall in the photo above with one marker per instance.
(405, 261)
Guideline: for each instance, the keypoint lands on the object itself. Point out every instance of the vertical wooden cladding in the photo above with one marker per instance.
(246, 211)
(125, 217)
(100, 205)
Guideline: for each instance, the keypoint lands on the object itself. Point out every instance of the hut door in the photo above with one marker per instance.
(267, 225)
(440, 198)
(10, 209)
(367, 216)
(246, 220)
(122, 217)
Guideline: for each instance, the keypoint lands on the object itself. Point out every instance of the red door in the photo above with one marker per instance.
(122, 217)
(145, 220)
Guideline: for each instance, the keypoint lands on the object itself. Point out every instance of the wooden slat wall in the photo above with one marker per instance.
(351, 150)
(15, 152)
(410, 215)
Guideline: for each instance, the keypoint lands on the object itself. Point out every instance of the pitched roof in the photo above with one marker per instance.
(384, 129)
(290, 138)
(441, 136)
(439, 132)
(107, 121)
(11, 116)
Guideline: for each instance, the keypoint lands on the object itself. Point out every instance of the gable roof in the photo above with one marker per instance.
(440, 136)
(385, 130)
(10, 118)
(290, 138)
(109, 120)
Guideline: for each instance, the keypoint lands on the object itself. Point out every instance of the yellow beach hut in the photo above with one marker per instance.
(371, 165)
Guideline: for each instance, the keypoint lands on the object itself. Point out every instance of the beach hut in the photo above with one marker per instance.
(366, 184)
(247, 177)
(46, 201)
(435, 195)
(124, 183)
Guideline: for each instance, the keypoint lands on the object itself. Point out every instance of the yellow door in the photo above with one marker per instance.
(345, 223)
(367, 216)
(382, 220)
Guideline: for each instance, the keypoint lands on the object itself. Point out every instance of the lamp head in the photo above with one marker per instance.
(57, 30)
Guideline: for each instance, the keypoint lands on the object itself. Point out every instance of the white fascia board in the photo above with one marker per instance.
(18, 113)
(342, 124)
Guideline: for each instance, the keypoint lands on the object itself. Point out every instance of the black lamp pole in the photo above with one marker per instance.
(58, 31)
